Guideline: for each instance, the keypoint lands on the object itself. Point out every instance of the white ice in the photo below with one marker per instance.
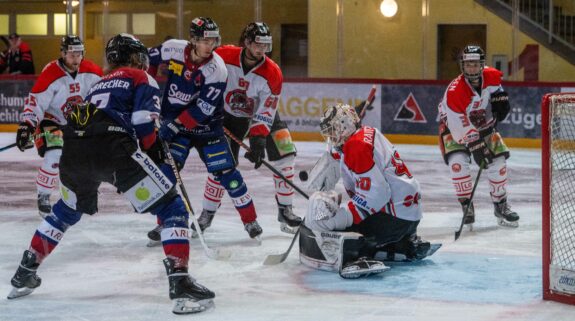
(102, 269)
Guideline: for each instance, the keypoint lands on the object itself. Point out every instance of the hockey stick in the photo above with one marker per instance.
(458, 232)
(268, 165)
(217, 254)
(7, 147)
(31, 139)
(368, 102)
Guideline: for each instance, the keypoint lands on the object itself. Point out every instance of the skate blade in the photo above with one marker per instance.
(152, 243)
(356, 274)
(258, 239)
(189, 306)
(469, 227)
(504, 223)
(287, 229)
(18, 292)
(43, 214)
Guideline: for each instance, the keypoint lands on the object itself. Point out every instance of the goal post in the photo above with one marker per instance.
(558, 202)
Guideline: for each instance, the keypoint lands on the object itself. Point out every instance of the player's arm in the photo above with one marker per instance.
(202, 109)
(146, 110)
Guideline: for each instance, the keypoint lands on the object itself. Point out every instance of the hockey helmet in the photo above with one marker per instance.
(472, 53)
(338, 123)
(257, 32)
(124, 49)
(205, 28)
(71, 43)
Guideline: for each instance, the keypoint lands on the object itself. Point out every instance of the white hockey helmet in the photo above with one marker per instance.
(338, 123)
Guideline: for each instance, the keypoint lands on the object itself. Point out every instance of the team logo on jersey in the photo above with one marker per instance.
(188, 75)
(176, 67)
(410, 111)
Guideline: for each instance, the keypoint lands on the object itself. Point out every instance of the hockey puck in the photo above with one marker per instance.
(303, 176)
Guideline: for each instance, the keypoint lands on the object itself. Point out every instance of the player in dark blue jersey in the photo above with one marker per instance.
(192, 113)
(112, 138)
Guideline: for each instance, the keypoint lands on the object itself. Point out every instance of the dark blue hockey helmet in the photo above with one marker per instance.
(124, 49)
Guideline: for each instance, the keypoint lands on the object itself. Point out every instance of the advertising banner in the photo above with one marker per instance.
(12, 95)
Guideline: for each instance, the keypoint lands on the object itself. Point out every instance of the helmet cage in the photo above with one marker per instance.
(472, 53)
(338, 123)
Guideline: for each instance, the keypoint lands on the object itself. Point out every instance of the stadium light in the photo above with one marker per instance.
(74, 2)
(388, 8)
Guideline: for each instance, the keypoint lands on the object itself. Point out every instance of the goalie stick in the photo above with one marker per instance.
(218, 254)
(274, 259)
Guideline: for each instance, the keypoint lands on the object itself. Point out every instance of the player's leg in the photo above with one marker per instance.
(281, 152)
(79, 195)
(49, 143)
(213, 190)
(217, 156)
(460, 170)
(497, 174)
(137, 178)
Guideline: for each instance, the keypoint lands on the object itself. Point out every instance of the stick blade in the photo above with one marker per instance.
(274, 259)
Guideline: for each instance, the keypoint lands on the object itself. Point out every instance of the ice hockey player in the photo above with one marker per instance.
(384, 207)
(250, 103)
(62, 81)
(101, 142)
(192, 112)
(466, 128)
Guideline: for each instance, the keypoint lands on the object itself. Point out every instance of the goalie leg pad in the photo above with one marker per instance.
(323, 250)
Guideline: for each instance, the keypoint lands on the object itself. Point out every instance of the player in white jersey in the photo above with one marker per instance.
(466, 128)
(62, 81)
(384, 205)
(250, 102)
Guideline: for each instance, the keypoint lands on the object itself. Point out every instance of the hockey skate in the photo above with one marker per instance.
(254, 230)
(25, 279)
(470, 218)
(505, 216)
(44, 207)
(205, 220)
(363, 267)
(188, 295)
(154, 236)
(408, 249)
(289, 222)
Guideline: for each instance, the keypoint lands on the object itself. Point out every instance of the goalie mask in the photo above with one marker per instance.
(472, 54)
(338, 123)
(126, 50)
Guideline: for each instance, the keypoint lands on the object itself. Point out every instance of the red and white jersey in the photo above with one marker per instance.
(461, 103)
(379, 180)
(55, 87)
(253, 95)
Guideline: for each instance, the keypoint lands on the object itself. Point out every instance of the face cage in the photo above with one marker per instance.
(469, 76)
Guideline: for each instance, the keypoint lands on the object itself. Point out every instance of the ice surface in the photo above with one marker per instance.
(102, 269)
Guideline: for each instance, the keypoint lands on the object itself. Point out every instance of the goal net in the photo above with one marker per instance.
(558, 180)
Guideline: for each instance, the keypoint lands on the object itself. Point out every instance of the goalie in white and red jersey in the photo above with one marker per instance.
(467, 128)
(384, 205)
(63, 81)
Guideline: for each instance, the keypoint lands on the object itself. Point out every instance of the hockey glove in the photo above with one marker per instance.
(500, 105)
(24, 136)
(481, 153)
(257, 150)
(168, 130)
